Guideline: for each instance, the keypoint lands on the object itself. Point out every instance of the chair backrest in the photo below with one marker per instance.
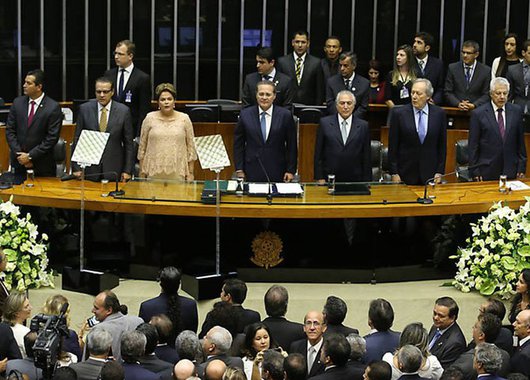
(310, 115)
(59, 155)
(385, 168)
(204, 114)
(462, 161)
(222, 101)
(376, 159)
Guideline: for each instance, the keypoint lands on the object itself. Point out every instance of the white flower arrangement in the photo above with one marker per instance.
(497, 251)
(27, 261)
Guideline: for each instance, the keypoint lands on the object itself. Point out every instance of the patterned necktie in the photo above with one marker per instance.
(500, 120)
(31, 112)
(422, 130)
(311, 354)
(267, 77)
(468, 75)
(434, 339)
(347, 84)
(298, 69)
(103, 120)
(344, 131)
(122, 80)
(421, 63)
(263, 124)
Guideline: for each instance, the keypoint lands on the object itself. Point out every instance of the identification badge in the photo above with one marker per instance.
(404, 93)
(128, 96)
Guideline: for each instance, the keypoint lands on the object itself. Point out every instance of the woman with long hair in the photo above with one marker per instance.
(16, 310)
(377, 86)
(521, 300)
(399, 81)
(257, 340)
(511, 48)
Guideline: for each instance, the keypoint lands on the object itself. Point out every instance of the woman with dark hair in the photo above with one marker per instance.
(377, 88)
(257, 340)
(521, 300)
(399, 81)
(180, 310)
(511, 48)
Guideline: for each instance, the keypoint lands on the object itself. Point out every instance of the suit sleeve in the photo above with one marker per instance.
(292, 148)
(319, 97)
(128, 137)
(53, 125)
(367, 155)
(362, 104)
(330, 99)
(450, 97)
(145, 103)
(521, 148)
(239, 145)
(442, 144)
(319, 147)
(11, 130)
(393, 143)
(484, 88)
(510, 79)
(474, 143)
(290, 92)
(246, 97)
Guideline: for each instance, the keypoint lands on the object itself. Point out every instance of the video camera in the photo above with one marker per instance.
(47, 347)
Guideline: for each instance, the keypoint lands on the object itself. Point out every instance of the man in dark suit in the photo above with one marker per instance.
(378, 370)
(133, 86)
(216, 345)
(446, 340)
(304, 69)
(284, 86)
(343, 144)
(3, 289)
(314, 328)
(467, 81)
(165, 349)
(335, 354)
(114, 118)
(334, 312)
(487, 362)
(284, 331)
(26, 365)
(265, 135)
(519, 77)
(429, 67)
(234, 291)
(417, 138)
(272, 367)
(330, 63)
(33, 128)
(149, 360)
(358, 350)
(295, 367)
(520, 361)
(381, 338)
(132, 345)
(98, 343)
(496, 136)
(349, 80)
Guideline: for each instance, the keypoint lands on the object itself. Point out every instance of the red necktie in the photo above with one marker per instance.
(31, 112)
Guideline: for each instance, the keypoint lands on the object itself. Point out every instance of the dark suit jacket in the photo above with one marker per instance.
(340, 329)
(139, 86)
(356, 369)
(8, 344)
(455, 85)
(246, 317)
(413, 376)
(167, 353)
(300, 346)
(284, 332)
(434, 72)
(360, 87)
(158, 305)
(285, 89)
(37, 139)
(413, 161)
(329, 69)
(504, 341)
(349, 162)
(87, 370)
(156, 365)
(137, 372)
(379, 343)
(487, 148)
(278, 154)
(449, 346)
(520, 361)
(310, 90)
(465, 364)
(517, 86)
(230, 361)
(118, 154)
(336, 373)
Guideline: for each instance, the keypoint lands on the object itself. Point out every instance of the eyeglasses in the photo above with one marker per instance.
(313, 323)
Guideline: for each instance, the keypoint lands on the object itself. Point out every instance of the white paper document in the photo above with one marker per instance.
(258, 188)
(517, 185)
(289, 188)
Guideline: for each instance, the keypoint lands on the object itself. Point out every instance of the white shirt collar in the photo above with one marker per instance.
(424, 60)
(524, 340)
(100, 107)
(495, 108)
(268, 112)
(348, 120)
(128, 69)
(37, 101)
(316, 346)
(301, 56)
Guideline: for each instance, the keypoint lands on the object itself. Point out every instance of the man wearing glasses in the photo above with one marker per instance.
(311, 347)
(467, 82)
(105, 115)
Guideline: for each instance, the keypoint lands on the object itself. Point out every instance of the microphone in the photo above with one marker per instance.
(64, 308)
(114, 193)
(269, 191)
(426, 200)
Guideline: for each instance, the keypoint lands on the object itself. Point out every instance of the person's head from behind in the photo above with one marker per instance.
(493, 306)
(415, 334)
(99, 343)
(112, 370)
(54, 304)
(214, 370)
(169, 279)
(184, 369)
(217, 341)
(188, 345)
(357, 347)
(378, 370)
(224, 315)
(409, 359)
(445, 312)
(295, 367)
(151, 336)
(487, 359)
(452, 373)
(234, 374)
(29, 340)
(380, 315)
(64, 373)
(335, 350)
(132, 346)
(335, 310)
(163, 326)
(486, 328)
(276, 300)
(257, 339)
(272, 365)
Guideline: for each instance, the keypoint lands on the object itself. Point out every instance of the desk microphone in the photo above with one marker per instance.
(269, 191)
(116, 192)
(426, 200)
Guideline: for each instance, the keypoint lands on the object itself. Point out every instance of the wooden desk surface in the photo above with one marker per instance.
(451, 198)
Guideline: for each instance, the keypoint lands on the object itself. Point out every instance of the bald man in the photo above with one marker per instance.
(184, 369)
(215, 370)
(520, 361)
(314, 328)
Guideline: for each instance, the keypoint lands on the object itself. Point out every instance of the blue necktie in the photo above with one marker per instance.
(122, 79)
(434, 339)
(468, 75)
(263, 123)
(422, 130)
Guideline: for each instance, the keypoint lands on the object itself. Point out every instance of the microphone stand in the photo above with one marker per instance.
(269, 184)
(115, 193)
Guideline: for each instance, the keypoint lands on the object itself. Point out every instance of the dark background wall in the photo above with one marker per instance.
(73, 40)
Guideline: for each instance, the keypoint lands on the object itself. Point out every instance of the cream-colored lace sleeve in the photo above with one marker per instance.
(190, 144)
(146, 127)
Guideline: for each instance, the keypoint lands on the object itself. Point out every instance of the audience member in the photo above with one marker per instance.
(182, 311)
(26, 365)
(3, 289)
(314, 328)
(234, 374)
(132, 346)
(349, 80)
(295, 367)
(184, 369)
(342, 145)
(409, 360)
(415, 158)
(519, 77)
(509, 56)
(505, 338)
(381, 338)
(334, 312)
(416, 335)
(164, 328)
(467, 81)
(284, 331)
(496, 137)
(17, 310)
(133, 86)
(521, 300)
(149, 360)
(520, 361)
(272, 366)
(487, 361)
(305, 71)
(224, 315)
(33, 128)
(399, 81)
(265, 145)
(429, 67)
(215, 370)
(8, 346)
(357, 352)
(446, 340)
(376, 93)
(284, 86)
(378, 370)
(167, 148)
(452, 373)
(330, 62)
(98, 346)
(64, 373)
(189, 347)
(216, 345)
(335, 354)
(257, 339)
(112, 371)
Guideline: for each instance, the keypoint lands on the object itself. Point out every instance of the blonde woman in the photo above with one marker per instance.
(16, 310)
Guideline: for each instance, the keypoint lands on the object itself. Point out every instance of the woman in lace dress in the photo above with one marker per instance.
(167, 150)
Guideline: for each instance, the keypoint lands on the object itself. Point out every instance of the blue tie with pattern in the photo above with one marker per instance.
(263, 123)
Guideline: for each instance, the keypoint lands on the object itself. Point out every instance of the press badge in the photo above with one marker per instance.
(128, 96)
(404, 93)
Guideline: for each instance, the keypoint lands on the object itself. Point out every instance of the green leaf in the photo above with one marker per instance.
(488, 287)
(508, 262)
(524, 250)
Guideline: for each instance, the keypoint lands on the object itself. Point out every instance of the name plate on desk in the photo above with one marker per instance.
(352, 189)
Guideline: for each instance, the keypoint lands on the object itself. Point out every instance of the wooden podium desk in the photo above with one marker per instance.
(386, 200)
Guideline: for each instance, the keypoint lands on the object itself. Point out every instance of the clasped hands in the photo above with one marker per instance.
(23, 158)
